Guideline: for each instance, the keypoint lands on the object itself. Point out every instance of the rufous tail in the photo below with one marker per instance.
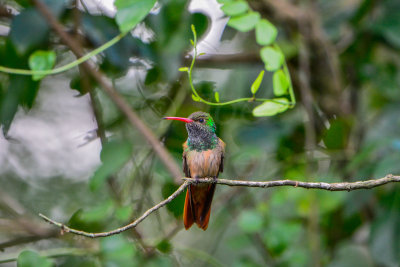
(197, 207)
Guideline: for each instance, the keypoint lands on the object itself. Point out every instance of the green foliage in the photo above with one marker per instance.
(29, 30)
(244, 23)
(113, 156)
(176, 205)
(28, 258)
(271, 107)
(280, 83)
(266, 32)
(101, 29)
(21, 91)
(336, 137)
(164, 246)
(265, 109)
(216, 95)
(256, 84)
(235, 8)
(272, 57)
(131, 12)
(41, 60)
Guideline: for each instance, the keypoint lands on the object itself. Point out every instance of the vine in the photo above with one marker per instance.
(244, 19)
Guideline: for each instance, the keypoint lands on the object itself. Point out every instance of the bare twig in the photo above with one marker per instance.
(317, 185)
(323, 186)
(124, 228)
(108, 88)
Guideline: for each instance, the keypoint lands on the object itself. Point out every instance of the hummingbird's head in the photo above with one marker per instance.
(201, 130)
(202, 122)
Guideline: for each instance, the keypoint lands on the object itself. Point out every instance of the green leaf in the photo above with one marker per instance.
(21, 91)
(193, 30)
(244, 23)
(164, 246)
(256, 84)
(235, 8)
(97, 214)
(29, 29)
(41, 60)
(250, 221)
(271, 107)
(124, 213)
(29, 258)
(184, 69)
(337, 136)
(100, 29)
(217, 96)
(131, 12)
(176, 205)
(153, 75)
(266, 32)
(280, 83)
(272, 58)
(114, 154)
(195, 98)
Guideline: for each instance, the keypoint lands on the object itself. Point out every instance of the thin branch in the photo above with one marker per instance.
(108, 88)
(188, 181)
(124, 228)
(316, 185)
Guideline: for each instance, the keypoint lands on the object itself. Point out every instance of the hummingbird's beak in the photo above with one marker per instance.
(178, 119)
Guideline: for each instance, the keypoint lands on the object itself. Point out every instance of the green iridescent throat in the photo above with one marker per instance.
(202, 144)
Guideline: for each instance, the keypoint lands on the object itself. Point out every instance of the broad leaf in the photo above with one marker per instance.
(280, 83)
(29, 258)
(265, 32)
(131, 12)
(29, 28)
(272, 58)
(244, 23)
(41, 60)
(271, 107)
(235, 8)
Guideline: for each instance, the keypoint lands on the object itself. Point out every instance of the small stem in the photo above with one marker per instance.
(291, 104)
(67, 66)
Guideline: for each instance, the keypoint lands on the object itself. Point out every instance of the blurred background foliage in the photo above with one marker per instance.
(344, 61)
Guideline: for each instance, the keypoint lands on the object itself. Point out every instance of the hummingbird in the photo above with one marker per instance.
(203, 157)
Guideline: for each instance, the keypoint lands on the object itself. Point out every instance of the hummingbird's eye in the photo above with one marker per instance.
(201, 120)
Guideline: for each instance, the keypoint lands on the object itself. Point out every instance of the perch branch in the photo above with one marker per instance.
(320, 185)
(133, 224)
(316, 185)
